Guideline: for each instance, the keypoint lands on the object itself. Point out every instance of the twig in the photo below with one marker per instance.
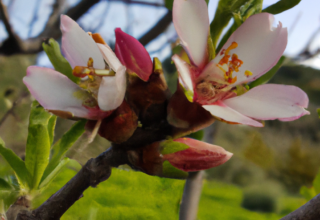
(14, 104)
(309, 211)
(157, 29)
(92, 173)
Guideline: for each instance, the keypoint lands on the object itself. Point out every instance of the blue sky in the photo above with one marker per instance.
(302, 21)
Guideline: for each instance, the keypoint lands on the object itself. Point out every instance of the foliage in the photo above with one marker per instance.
(37, 171)
(281, 6)
(310, 192)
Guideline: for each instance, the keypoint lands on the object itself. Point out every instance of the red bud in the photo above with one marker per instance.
(133, 55)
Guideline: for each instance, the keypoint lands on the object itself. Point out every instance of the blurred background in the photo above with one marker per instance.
(264, 178)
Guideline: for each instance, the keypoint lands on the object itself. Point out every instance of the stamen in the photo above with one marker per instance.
(248, 73)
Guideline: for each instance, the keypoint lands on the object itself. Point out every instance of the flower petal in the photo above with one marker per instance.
(133, 55)
(271, 101)
(112, 90)
(185, 75)
(78, 46)
(191, 21)
(54, 91)
(226, 113)
(260, 46)
(110, 57)
(199, 155)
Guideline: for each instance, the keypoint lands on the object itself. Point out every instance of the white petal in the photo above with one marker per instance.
(260, 46)
(78, 46)
(191, 21)
(271, 101)
(185, 75)
(228, 114)
(110, 57)
(112, 90)
(54, 91)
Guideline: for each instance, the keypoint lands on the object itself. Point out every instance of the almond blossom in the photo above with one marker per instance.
(101, 88)
(252, 50)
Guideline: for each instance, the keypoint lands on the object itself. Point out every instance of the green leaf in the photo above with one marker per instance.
(61, 147)
(170, 147)
(281, 6)
(45, 182)
(38, 144)
(307, 193)
(197, 135)
(4, 185)
(267, 76)
(318, 110)
(170, 171)
(51, 126)
(15, 163)
(52, 49)
(224, 13)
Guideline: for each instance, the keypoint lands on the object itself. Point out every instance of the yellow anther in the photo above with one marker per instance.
(248, 73)
(233, 45)
(90, 62)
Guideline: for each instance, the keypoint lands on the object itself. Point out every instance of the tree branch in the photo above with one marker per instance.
(13, 45)
(92, 173)
(309, 211)
(158, 29)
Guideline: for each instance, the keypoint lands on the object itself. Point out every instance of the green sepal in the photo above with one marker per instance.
(197, 135)
(281, 6)
(60, 64)
(16, 164)
(170, 147)
(187, 93)
(170, 171)
(62, 146)
(267, 76)
(38, 143)
(157, 66)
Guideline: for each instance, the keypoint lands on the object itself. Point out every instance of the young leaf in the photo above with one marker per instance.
(45, 182)
(170, 171)
(223, 14)
(307, 193)
(38, 144)
(267, 76)
(197, 135)
(4, 185)
(15, 163)
(281, 6)
(51, 126)
(60, 147)
(52, 49)
(170, 146)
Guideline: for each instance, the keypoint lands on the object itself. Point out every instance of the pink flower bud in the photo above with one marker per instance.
(133, 55)
(198, 156)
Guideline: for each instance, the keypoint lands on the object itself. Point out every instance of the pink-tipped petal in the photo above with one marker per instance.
(133, 55)
(226, 113)
(54, 91)
(78, 46)
(191, 21)
(112, 90)
(271, 101)
(185, 73)
(199, 156)
(260, 46)
(110, 57)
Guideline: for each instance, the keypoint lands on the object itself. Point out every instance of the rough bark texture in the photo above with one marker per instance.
(309, 211)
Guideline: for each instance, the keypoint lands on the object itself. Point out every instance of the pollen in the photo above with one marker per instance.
(248, 73)
(231, 61)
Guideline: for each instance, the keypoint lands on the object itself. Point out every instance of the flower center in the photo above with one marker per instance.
(205, 90)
